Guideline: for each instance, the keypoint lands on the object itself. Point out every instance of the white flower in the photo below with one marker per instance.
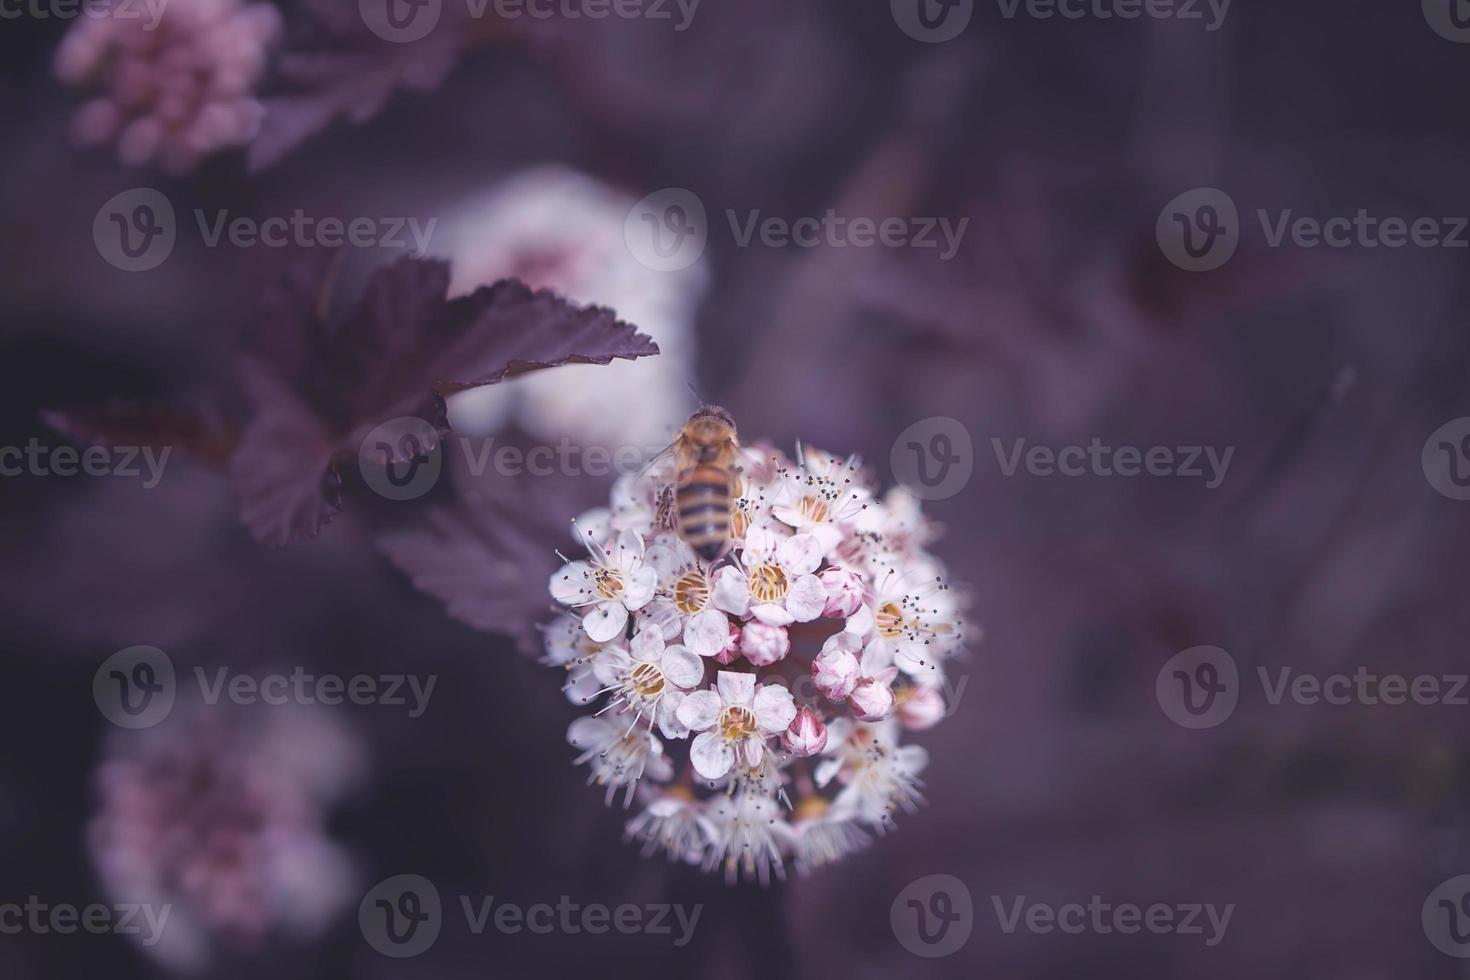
(774, 582)
(734, 722)
(651, 679)
(912, 628)
(684, 579)
(836, 670)
(671, 823)
(820, 496)
(568, 646)
(820, 834)
(878, 774)
(607, 588)
(620, 753)
(743, 838)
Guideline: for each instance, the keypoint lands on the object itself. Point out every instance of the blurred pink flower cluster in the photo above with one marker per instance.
(174, 85)
(222, 819)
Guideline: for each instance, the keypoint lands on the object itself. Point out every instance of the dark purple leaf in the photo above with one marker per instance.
(314, 393)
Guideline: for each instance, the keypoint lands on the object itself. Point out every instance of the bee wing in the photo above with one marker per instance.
(661, 454)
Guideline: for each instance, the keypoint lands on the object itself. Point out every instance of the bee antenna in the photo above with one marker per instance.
(695, 392)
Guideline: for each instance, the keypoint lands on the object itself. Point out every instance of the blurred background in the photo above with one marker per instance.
(1076, 305)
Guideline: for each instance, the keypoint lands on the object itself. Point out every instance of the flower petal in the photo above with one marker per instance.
(732, 594)
(605, 622)
(806, 599)
(861, 623)
(648, 644)
(711, 755)
(590, 733)
(668, 716)
(571, 585)
(627, 556)
(611, 664)
(582, 686)
(773, 613)
(736, 690)
(707, 633)
(699, 710)
(799, 554)
(760, 544)
(639, 587)
(774, 708)
(755, 748)
(683, 668)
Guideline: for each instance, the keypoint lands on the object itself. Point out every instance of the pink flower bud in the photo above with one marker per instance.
(872, 699)
(835, 671)
(764, 644)
(731, 651)
(806, 736)
(844, 590)
(920, 708)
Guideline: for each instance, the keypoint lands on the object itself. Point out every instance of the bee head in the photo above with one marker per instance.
(713, 422)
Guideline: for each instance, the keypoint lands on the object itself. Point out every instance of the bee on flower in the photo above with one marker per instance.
(820, 586)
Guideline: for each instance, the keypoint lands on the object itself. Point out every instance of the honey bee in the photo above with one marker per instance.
(697, 502)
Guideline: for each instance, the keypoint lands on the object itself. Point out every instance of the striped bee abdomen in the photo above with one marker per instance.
(703, 501)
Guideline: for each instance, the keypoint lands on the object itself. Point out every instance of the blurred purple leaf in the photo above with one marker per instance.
(486, 561)
(315, 392)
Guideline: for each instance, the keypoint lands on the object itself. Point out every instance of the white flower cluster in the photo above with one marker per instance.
(791, 666)
(175, 90)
